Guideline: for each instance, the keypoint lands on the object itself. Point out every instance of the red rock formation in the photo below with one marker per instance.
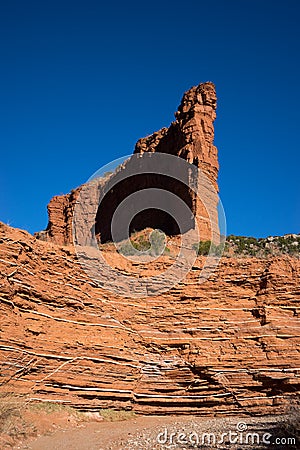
(60, 214)
(225, 346)
(228, 345)
(191, 137)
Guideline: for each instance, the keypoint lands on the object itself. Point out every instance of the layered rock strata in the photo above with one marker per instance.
(225, 346)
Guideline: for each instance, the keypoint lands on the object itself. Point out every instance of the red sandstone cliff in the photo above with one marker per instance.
(191, 137)
(230, 344)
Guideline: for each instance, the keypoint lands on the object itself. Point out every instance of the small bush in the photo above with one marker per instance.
(207, 247)
(131, 248)
(13, 426)
(157, 239)
(127, 249)
(9, 410)
(204, 247)
(140, 244)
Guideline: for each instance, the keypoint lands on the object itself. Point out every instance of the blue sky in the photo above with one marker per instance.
(81, 81)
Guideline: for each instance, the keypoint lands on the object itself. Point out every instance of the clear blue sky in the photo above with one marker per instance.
(81, 81)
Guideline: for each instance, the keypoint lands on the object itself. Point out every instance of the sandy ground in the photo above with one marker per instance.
(162, 433)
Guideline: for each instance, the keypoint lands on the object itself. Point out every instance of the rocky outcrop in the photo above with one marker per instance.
(60, 214)
(190, 137)
(225, 346)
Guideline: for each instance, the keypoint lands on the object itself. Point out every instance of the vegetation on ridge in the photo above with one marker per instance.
(288, 244)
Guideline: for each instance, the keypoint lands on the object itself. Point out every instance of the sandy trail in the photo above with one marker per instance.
(155, 433)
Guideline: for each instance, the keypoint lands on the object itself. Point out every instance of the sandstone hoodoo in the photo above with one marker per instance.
(191, 137)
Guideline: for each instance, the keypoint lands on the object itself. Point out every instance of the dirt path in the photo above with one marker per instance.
(94, 436)
(162, 433)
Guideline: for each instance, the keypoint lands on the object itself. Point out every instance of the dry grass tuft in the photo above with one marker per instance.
(111, 415)
(12, 424)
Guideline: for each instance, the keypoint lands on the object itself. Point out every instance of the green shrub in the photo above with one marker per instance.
(207, 247)
(138, 244)
(127, 249)
(158, 239)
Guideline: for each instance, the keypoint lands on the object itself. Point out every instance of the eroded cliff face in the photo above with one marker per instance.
(60, 215)
(225, 346)
(190, 137)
